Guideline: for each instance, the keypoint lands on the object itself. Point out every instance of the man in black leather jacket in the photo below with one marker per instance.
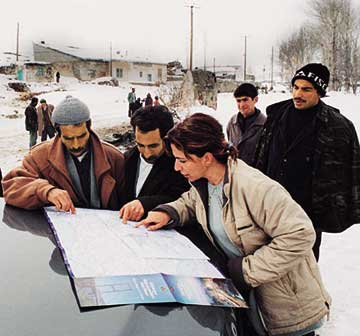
(313, 151)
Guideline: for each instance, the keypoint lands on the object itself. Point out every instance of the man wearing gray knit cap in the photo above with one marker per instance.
(74, 169)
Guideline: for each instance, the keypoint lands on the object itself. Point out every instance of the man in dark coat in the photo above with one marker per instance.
(313, 151)
(244, 128)
(31, 121)
(1, 190)
(148, 100)
(150, 177)
(136, 105)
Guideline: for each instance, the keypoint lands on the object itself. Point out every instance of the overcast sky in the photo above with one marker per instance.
(157, 29)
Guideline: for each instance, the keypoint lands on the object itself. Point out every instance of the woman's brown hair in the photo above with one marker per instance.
(198, 134)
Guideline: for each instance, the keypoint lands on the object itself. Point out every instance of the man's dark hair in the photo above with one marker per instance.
(149, 118)
(246, 90)
(34, 100)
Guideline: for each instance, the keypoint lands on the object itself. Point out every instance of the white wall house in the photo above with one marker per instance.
(139, 72)
(87, 64)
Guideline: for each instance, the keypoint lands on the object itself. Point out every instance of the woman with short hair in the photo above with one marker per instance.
(266, 236)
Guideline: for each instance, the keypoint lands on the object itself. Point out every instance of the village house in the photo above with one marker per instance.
(41, 72)
(87, 64)
(139, 72)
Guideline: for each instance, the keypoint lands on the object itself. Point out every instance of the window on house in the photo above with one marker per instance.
(119, 72)
(92, 73)
(40, 71)
(140, 74)
(149, 78)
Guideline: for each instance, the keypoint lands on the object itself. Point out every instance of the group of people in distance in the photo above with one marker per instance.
(263, 197)
(38, 120)
(136, 103)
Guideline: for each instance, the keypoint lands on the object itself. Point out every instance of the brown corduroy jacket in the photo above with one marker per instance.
(44, 168)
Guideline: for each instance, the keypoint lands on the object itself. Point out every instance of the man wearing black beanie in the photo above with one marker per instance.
(243, 129)
(313, 151)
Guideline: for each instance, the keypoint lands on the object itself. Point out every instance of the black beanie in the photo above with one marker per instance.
(315, 73)
(246, 90)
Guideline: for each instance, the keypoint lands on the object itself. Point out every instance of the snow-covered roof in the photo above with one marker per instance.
(95, 54)
(82, 53)
(6, 63)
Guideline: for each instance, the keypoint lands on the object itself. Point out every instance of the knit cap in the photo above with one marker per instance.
(315, 73)
(70, 111)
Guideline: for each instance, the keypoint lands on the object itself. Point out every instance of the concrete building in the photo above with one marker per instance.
(139, 72)
(42, 72)
(88, 64)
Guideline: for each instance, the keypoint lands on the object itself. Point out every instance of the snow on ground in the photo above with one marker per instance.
(108, 106)
(339, 263)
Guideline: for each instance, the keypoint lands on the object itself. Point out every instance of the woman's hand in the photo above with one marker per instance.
(155, 220)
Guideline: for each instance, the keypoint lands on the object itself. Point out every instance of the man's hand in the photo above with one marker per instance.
(61, 199)
(155, 220)
(132, 211)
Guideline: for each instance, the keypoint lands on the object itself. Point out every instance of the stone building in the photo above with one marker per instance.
(42, 72)
(88, 64)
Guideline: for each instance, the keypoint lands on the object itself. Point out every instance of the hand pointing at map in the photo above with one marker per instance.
(155, 220)
(133, 211)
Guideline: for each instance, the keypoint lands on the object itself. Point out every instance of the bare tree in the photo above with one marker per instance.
(332, 36)
(336, 25)
(297, 50)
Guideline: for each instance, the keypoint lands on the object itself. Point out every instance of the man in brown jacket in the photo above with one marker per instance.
(73, 169)
(45, 125)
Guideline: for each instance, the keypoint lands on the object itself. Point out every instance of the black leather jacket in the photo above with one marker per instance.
(335, 194)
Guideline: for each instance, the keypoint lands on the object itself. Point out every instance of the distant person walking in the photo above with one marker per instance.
(45, 126)
(57, 75)
(148, 100)
(156, 101)
(31, 121)
(131, 100)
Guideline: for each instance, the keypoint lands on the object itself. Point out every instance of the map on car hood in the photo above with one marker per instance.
(115, 263)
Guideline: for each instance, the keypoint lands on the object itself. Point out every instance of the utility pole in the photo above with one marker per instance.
(245, 37)
(110, 63)
(272, 68)
(214, 65)
(191, 35)
(17, 43)
(192, 6)
(204, 51)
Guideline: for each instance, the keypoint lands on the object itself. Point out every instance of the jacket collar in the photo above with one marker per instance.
(57, 157)
(201, 185)
(257, 115)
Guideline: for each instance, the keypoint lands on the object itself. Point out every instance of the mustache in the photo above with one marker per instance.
(299, 100)
(76, 150)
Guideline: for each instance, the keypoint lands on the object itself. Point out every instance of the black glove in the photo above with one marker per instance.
(237, 276)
